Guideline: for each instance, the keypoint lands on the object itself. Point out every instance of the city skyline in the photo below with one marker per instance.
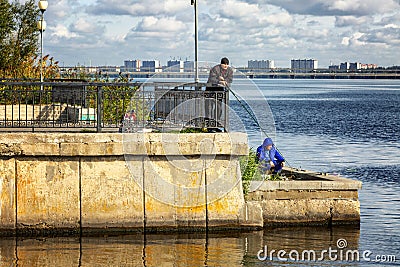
(99, 33)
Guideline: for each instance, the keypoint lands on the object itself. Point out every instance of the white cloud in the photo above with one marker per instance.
(344, 21)
(60, 31)
(115, 30)
(353, 40)
(137, 7)
(84, 26)
(337, 7)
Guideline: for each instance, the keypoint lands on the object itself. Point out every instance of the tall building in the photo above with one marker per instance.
(355, 66)
(175, 65)
(260, 64)
(304, 65)
(151, 66)
(188, 66)
(132, 65)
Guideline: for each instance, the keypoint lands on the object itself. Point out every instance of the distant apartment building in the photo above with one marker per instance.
(175, 66)
(188, 66)
(260, 64)
(109, 68)
(355, 66)
(346, 66)
(334, 67)
(369, 66)
(132, 65)
(151, 66)
(304, 65)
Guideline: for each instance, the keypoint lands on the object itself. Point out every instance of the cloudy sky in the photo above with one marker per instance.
(107, 32)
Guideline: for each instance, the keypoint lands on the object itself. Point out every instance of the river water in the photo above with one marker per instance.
(348, 127)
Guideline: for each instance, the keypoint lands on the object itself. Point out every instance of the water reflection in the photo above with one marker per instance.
(191, 249)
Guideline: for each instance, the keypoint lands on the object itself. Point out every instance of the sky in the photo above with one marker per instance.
(107, 32)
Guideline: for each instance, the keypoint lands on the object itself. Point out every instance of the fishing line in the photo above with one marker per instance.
(255, 120)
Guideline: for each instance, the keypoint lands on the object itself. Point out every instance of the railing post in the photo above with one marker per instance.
(226, 106)
(99, 107)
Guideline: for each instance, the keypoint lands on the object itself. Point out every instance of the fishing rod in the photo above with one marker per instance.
(254, 119)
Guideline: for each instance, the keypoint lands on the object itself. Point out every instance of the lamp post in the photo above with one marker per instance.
(196, 40)
(41, 24)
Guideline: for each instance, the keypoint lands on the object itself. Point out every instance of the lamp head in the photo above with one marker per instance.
(43, 4)
(41, 25)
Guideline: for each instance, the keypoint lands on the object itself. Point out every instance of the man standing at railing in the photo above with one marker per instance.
(221, 74)
(219, 80)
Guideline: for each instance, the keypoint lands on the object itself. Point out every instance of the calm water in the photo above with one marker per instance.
(349, 127)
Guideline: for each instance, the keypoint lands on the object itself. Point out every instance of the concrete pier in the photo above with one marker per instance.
(97, 182)
(122, 182)
(310, 199)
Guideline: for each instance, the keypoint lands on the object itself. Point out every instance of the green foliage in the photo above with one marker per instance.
(118, 100)
(19, 37)
(193, 130)
(249, 169)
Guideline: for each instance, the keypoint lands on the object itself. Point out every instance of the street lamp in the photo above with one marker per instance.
(41, 25)
(196, 40)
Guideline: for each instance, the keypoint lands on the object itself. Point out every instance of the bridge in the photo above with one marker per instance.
(114, 72)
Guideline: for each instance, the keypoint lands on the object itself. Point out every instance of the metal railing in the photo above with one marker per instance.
(111, 107)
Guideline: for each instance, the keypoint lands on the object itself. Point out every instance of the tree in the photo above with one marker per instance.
(19, 39)
(6, 29)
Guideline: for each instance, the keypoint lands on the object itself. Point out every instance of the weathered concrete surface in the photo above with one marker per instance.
(154, 181)
(316, 199)
(126, 181)
(7, 194)
(47, 192)
(109, 195)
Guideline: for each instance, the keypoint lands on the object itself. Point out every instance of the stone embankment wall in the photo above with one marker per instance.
(92, 181)
(313, 199)
(130, 182)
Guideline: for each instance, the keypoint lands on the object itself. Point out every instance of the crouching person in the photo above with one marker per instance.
(270, 160)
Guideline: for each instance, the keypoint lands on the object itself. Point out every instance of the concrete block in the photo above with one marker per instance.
(175, 194)
(91, 149)
(300, 185)
(47, 192)
(345, 210)
(7, 193)
(111, 196)
(251, 215)
(224, 192)
(341, 184)
(134, 144)
(303, 211)
(264, 185)
(40, 149)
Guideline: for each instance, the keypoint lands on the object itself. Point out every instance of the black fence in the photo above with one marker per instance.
(100, 107)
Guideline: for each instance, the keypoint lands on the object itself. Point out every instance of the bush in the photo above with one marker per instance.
(249, 169)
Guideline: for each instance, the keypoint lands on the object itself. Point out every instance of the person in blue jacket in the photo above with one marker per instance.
(271, 161)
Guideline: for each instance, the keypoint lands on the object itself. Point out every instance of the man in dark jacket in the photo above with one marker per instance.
(221, 74)
(219, 80)
(269, 157)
